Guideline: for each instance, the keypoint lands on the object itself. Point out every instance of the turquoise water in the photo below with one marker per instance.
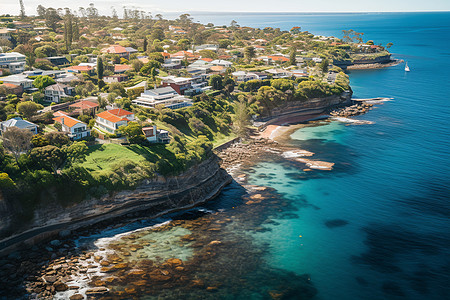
(375, 227)
(390, 188)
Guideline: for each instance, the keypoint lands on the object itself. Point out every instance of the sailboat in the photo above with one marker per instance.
(406, 67)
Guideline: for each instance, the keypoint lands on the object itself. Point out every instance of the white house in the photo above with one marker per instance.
(222, 63)
(111, 120)
(74, 128)
(14, 61)
(19, 123)
(166, 96)
(57, 91)
(20, 80)
(154, 135)
(279, 73)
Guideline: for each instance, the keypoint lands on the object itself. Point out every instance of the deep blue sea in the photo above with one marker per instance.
(377, 226)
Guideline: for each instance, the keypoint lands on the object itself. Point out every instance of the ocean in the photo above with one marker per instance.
(375, 227)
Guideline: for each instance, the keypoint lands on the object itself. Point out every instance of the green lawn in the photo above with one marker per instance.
(101, 158)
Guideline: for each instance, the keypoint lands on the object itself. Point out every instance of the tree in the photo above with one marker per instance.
(17, 141)
(28, 108)
(224, 43)
(241, 117)
(52, 18)
(249, 53)
(134, 132)
(43, 81)
(77, 150)
(136, 65)
(147, 68)
(22, 10)
(293, 57)
(184, 44)
(48, 157)
(41, 11)
(45, 51)
(99, 68)
(324, 65)
(215, 81)
(282, 84)
(57, 139)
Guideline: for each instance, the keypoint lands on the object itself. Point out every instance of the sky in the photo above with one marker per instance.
(104, 6)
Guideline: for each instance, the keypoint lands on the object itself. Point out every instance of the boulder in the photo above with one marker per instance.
(76, 297)
(60, 286)
(99, 290)
(50, 279)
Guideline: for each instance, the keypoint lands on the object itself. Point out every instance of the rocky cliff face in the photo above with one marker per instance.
(292, 111)
(198, 184)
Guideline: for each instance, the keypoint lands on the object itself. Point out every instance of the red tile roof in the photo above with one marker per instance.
(80, 68)
(207, 59)
(277, 57)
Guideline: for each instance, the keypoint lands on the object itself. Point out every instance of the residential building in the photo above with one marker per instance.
(154, 135)
(20, 80)
(80, 69)
(74, 128)
(179, 84)
(57, 91)
(14, 61)
(212, 47)
(123, 52)
(5, 33)
(84, 107)
(58, 61)
(115, 78)
(13, 88)
(279, 73)
(19, 123)
(222, 63)
(166, 96)
(111, 120)
(118, 69)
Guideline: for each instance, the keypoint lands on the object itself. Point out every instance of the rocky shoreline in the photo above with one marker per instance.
(353, 110)
(375, 65)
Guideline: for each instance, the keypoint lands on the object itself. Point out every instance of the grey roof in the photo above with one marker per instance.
(160, 91)
(56, 87)
(17, 122)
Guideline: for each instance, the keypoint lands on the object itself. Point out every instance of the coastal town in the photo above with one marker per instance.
(94, 105)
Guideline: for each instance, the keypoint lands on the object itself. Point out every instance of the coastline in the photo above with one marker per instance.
(375, 65)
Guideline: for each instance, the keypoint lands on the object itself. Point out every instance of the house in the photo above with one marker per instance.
(19, 123)
(13, 88)
(165, 96)
(179, 84)
(118, 69)
(222, 63)
(123, 52)
(74, 128)
(58, 61)
(80, 69)
(57, 91)
(331, 77)
(20, 80)
(14, 61)
(111, 120)
(257, 75)
(212, 47)
(278, 73)
(184, 55)
(115, 78)
(84, 107)
(5, 33)
(278, 58)
(154, 135)
(173, 63)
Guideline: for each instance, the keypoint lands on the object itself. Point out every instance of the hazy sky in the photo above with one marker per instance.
(104, 6)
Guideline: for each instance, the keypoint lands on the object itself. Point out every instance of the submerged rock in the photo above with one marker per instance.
(99, 290)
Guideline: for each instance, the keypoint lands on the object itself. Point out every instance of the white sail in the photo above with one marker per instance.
(407, 68)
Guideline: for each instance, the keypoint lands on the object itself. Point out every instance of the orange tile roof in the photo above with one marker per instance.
(84, 104)
(80, 68)
(277, 57)
(183, 53)
(59, 113)
(115, 49)
(217, 68)
(120, 112)
(224, 57)
(68, 121)
(110, 117)
(10, 85)
(165, 54)
(207, 59)
(118, 68)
